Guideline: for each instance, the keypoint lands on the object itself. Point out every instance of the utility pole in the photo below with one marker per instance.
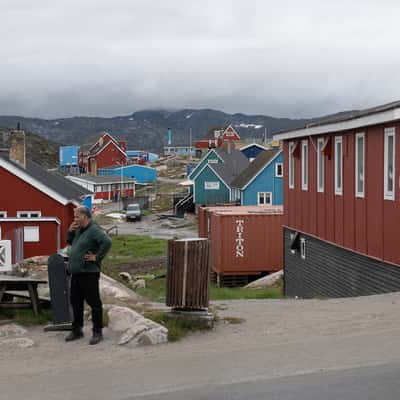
(190, 143)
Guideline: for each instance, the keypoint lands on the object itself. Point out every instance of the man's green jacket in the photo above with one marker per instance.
(90, 239)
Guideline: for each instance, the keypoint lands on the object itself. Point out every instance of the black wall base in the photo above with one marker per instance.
(326, 270)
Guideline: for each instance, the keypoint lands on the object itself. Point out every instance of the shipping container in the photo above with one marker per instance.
(205, 212)
(245, 240)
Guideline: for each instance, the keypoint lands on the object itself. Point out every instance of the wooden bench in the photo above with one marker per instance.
(9, 284)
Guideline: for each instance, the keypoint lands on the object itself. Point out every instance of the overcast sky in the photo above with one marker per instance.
(61, 58)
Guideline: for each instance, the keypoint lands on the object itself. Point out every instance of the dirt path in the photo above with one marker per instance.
(271, 322)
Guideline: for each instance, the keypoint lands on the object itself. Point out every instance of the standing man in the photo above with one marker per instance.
(89, 245)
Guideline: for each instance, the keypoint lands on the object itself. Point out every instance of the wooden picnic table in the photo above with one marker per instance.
(15, 283)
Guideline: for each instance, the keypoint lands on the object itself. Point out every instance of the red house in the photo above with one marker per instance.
(342, 204)
(216, 139)
(107, 151)
(36, 207)
(106, 187)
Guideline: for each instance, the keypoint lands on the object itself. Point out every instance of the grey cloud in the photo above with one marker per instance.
(97, 57)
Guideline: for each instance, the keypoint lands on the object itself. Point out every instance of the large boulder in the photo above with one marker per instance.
(266, 281)
(136, 330)
(111, 289)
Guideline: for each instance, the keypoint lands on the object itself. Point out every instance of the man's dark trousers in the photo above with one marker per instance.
(86, 287)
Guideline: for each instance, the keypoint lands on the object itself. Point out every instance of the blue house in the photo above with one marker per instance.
(140, 173)
(251, 151)
(261, 183)
(213, 176)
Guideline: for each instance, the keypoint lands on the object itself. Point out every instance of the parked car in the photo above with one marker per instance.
(133, 212)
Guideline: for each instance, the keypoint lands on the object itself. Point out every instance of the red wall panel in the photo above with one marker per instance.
(368, 225)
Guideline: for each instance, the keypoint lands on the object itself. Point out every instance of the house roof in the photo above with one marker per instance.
(53, 184)
(244, 147)
(85, 147)
(346, 120)
(255, 167)
(234, 163)
(97, 150)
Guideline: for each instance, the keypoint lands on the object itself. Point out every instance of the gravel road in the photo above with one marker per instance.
(279, 338)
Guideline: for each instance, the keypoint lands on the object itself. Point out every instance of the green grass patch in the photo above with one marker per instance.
(177, 326)
(155, 288)
(26, 317)
(130, 248)
(155, 291)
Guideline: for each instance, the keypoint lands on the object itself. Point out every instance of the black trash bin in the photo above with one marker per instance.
(59, 284)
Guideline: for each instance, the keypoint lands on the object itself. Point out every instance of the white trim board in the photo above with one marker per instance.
(355, 123)
(32, 220)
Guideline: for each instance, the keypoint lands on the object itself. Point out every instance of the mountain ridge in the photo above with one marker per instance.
(147, 129)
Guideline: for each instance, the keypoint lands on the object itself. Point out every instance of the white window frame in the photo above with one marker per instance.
(31, 234)
(304, 164)
(359, 193)
(3, 214)
(320, 161)
(291, 165)
(29, 214)
(277, 165)
(338, 189)
(303, 248)
(264, 195)
(389, 194)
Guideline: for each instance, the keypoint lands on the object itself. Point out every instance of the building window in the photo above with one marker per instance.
(360, 164)
(31, 234)
(3, 214)
(279, 170)
(29, 214)
(304, 165)
(291, 165)
(389, 167)
(211, 185)
(264, 198)
(320, 165)
(338, 165)
(303, 248)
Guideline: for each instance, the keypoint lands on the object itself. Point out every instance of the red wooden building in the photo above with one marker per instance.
(341, 200)
(36, 207)
(106, 152)
(106, 187)
(216, 139)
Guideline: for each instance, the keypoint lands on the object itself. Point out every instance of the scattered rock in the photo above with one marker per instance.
(266, 281)
(149, 277)
(136, 330)
(12, 330)
(139, 284)
(126, 276)
(21, 343)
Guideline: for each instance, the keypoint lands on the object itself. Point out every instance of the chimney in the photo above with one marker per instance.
(17, 147)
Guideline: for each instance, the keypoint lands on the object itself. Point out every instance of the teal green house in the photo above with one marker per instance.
(213, 176)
